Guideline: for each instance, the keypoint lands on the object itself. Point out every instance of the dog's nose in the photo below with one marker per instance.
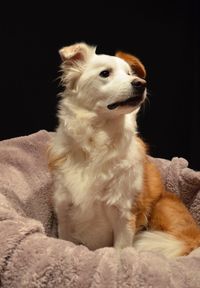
(139, 85)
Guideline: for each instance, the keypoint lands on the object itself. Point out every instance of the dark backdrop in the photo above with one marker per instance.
(163, 34)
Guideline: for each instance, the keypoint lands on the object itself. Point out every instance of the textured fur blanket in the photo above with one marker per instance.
(30, 254)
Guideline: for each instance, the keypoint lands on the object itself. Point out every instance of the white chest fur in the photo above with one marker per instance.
(96, 185)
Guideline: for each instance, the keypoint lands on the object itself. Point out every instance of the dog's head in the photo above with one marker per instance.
(108, 85)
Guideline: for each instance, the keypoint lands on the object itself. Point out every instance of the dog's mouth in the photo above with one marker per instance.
(132, 101)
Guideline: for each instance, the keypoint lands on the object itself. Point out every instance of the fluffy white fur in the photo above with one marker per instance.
(99, 168)
(104, 185)
(160, 242)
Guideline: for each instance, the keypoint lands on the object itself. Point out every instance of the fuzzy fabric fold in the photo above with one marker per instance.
(32, 256)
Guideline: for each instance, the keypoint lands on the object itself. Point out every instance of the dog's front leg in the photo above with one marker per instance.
(123, 228)
(62, 205)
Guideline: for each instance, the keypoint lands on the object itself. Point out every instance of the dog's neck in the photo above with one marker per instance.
(88, 131)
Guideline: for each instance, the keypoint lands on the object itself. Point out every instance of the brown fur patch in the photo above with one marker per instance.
(134, 62)
(171, 215)
(159, 210)
(153, 189)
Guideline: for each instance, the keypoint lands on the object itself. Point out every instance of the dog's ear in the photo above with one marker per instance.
(79, 52)
(134, 62)
(73, 59)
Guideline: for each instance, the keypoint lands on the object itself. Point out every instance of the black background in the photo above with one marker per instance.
(163, 34)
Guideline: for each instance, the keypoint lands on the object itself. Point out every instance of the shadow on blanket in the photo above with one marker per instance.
(30, 254)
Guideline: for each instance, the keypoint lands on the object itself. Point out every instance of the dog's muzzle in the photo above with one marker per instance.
(139, 86)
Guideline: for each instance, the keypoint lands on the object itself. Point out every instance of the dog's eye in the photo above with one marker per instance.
(104, 73)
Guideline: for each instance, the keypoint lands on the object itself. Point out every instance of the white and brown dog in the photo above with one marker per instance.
(105, 188)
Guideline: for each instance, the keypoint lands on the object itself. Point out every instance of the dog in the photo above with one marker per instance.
(106, 190)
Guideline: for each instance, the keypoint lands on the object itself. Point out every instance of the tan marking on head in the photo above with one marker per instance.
(134, 62)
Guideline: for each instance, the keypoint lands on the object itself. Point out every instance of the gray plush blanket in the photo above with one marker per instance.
(32, 256)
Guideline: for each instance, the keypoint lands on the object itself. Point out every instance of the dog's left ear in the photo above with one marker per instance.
(78, 52)
(134, 62)
(73, 59)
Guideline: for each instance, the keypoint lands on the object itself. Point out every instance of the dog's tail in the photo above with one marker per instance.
(172, 229)
(161, 242)
(164, 243)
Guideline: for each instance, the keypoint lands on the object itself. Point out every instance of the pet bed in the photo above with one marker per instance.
(32, 256)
